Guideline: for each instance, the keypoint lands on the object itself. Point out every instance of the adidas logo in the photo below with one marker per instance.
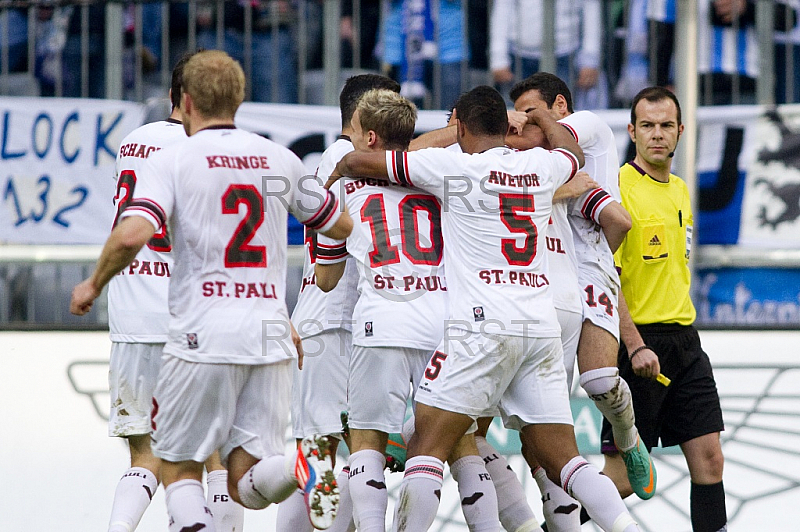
(655, 241)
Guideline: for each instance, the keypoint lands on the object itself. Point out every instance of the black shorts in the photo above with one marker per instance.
(686, 409)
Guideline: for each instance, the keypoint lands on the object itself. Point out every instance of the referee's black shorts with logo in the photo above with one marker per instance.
(686, 409)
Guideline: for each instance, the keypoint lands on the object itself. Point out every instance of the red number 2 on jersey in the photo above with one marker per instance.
(239, 253)
(125, 187)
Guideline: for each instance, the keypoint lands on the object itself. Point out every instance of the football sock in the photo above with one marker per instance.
(228, 514)
(612, 396)
(511, 501)
(708, 507)
(293, 515)
(478, 496)
(344, 517)
(186, 506)
(561, 511)
(419, 496)
(584, 519)
(368, 492)
(134, 491)
(270, 480)
(597, 493)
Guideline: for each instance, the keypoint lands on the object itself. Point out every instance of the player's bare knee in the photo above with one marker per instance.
(706, 467)
(363, 439)
(597, 348)
(483, 426)
(233, 490)
(139, 445)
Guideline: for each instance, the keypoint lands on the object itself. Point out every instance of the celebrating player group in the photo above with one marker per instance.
(467, 270)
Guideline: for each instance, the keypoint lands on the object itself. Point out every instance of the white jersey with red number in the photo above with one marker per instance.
(317, 311)
(397, 245)
(495, 210)
(137, 297)
(602, 164)
(225, 193)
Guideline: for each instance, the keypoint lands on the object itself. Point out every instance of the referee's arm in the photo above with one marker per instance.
(645, 362)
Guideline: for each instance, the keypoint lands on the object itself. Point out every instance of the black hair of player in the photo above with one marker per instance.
(654, 94)
(549, 87)
(355, 87)
(176, 86)
(483, 111)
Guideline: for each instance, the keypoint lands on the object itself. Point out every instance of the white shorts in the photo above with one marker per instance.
(571, 323)
(381, 381)
(319, 393)
(600, 300)
(132, 375)
(199, 408)
(472, 372)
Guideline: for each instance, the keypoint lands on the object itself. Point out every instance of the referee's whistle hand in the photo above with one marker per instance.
(645, 364)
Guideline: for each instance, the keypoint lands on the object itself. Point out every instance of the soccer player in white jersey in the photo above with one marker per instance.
(502, 345)
(514, 511)
(324, 322)
(599, 225)
(397, 244)
(138, 320)
(225, 377)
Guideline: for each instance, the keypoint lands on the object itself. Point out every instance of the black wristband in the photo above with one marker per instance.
(640, 348)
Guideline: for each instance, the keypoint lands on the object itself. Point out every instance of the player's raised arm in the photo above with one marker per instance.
(556, 135)
(362, 164)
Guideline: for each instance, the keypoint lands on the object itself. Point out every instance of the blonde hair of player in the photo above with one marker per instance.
(391, 116)
(215, 82)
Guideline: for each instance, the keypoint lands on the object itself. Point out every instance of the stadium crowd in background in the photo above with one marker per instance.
(605, 49)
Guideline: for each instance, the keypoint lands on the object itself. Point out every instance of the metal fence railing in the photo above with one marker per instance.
(300, 50)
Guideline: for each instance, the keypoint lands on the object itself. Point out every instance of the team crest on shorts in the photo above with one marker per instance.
(191, 340)
(477, 313)
(368, 329)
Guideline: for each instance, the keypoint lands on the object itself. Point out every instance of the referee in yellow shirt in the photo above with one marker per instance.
(656, 323)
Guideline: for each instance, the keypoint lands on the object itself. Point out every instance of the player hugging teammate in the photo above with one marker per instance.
(468, 277)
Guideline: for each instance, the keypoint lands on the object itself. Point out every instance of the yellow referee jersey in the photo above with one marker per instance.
(654, 256)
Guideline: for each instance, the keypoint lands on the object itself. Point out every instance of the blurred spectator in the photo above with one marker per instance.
(72, 57)
(661, 17)
(178, 30)
(274, 55)
(727, 52)
(516, 42)
(634, 73)
(787, 40)
(410, 42)
(17, 32)
(478, 33)
(369, 22)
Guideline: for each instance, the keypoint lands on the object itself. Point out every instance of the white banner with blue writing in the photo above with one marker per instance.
(57, 167)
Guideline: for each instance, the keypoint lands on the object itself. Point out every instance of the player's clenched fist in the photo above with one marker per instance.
(83, 296)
